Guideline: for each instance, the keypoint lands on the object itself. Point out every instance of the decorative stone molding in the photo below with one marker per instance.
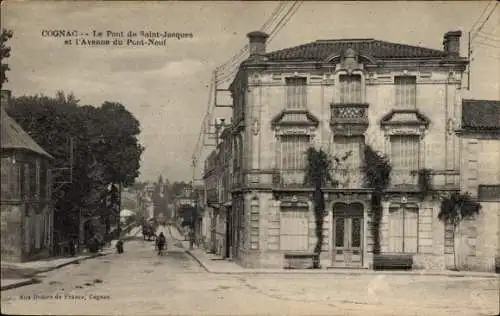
(404, 122)
(254, 80)
(295, 122)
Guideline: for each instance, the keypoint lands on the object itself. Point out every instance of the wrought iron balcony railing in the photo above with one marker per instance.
(344, 113)
(349, 118)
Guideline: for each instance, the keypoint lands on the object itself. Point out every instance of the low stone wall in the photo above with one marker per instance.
(270, 259)
(429, 262)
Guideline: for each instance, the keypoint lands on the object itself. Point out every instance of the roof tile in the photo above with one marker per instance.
(322, 49)
(481, 114)
(14, 137)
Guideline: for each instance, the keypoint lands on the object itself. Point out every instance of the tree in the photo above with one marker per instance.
(454, 209)
(377, 171)
(106, 150)
(4, 53)
(318, 168)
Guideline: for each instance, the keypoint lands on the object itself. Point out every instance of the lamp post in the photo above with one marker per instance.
(118, 229)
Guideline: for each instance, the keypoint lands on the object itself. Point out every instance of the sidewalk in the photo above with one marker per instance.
(16, 274)
(215, 264)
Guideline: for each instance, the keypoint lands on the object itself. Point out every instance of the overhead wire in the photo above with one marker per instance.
(224, 72)
(474, 33)
(481, 15)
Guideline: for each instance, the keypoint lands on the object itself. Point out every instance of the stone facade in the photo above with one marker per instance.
(478, 240)
(27, 215)
(271, 207)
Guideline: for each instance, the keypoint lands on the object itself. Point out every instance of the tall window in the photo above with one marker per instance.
(293, 151)
(296, 93)
(11, 179)
(294, 229)
(403, 230)
(352, 144)
(406, 92)
(404, 157)
(350, 88)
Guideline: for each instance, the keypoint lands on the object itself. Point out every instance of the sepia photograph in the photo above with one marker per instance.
(250, 158)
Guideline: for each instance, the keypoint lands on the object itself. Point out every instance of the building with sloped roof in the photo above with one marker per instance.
(342, 95)
(25, 200)
(480, 175)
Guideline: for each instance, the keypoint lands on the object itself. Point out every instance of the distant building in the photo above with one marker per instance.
(26, 210)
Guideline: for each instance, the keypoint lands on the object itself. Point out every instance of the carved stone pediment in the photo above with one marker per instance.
(295, 122)
(409, 122)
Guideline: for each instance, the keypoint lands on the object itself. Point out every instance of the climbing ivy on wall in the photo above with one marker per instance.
(377, 170)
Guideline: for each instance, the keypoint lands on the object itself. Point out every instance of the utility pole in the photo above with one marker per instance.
(470, 64)
(119, 208)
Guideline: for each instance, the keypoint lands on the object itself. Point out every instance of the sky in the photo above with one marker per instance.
(167, 87)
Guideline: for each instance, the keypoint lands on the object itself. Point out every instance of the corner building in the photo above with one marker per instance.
(404, 101)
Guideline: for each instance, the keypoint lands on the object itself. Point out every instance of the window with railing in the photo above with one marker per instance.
(406, 92)
(350, 89)
(11, 179)
(403, 230)
(405, 152)
(296, 93)
(293, 151)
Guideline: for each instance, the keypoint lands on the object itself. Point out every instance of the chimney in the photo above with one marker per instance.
(5, 96)
(451, 43)
(257, 42)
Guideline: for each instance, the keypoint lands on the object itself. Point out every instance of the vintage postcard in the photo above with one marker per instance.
(250, 157)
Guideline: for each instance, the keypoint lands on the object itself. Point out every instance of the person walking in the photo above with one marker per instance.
(160, 243)
(192, 238)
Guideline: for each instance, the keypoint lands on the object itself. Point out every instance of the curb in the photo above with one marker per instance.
(369, 272)
(43, 270)
(102, 254)
(200, 262)
(19, 284)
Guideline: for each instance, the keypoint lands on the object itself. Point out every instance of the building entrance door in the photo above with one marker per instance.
(347, 235)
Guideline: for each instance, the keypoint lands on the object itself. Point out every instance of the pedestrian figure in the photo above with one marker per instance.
(119, 246)
(160, 243)
(191, 238)
(72, 247)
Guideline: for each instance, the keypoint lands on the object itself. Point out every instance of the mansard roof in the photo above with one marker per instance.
(481, 115)
(320, 50)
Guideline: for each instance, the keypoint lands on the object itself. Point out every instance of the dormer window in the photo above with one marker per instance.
(296, 93)
(350, 88)
(406, 92)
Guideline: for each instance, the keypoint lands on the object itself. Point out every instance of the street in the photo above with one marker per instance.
(140, 282)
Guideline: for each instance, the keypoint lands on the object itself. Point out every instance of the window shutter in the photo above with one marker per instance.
(396, 233)
(406, 90)
(410, 230)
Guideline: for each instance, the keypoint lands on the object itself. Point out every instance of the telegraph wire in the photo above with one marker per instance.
(281, 23)
(292, 12)
(273, 15)
(479, 18)
(224, 72)
(484, 22)
(488, 44)
(488, 37)
(239, 57)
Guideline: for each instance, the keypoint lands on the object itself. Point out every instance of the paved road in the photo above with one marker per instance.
(141, 283)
